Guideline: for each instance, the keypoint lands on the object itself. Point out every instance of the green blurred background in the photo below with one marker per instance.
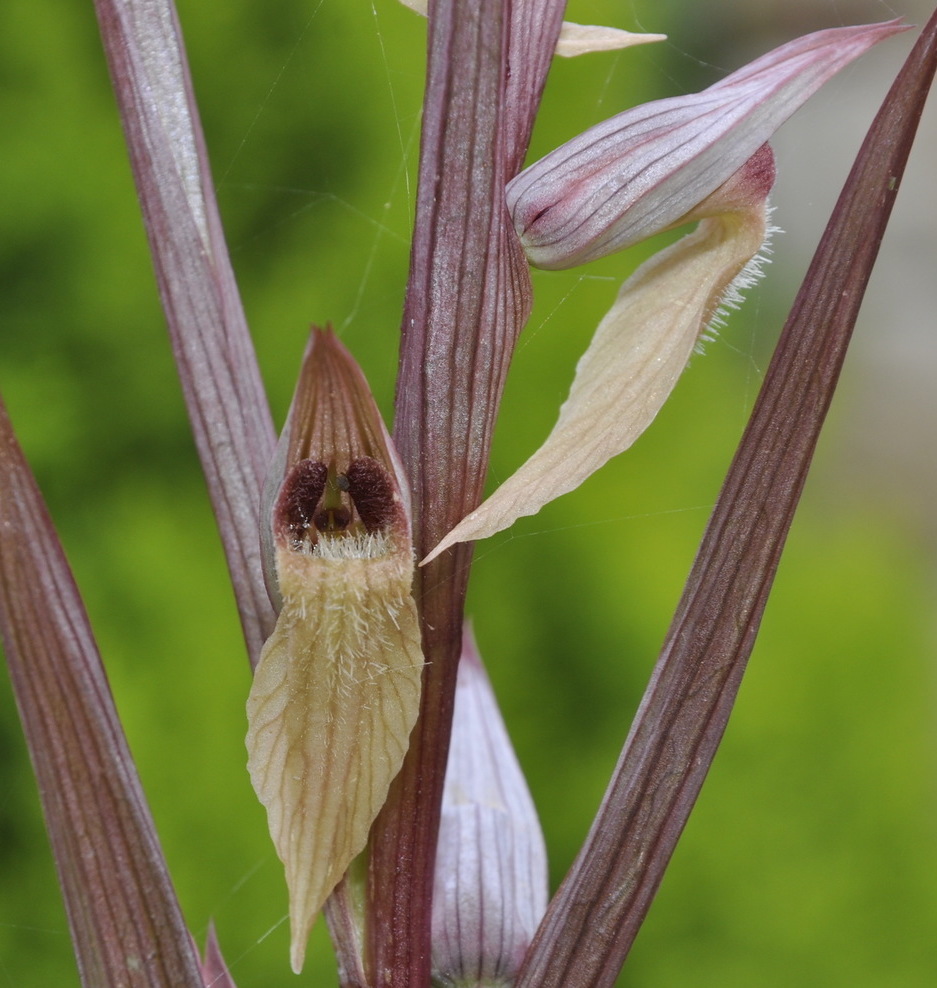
(811, 858)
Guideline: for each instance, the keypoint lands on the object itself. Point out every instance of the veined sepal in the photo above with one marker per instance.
(337, 689)
(643, 171)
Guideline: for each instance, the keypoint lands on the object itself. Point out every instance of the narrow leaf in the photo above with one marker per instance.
(125, 921)
(214, 354)
(468, 297)
(592, 921)
(535, 30)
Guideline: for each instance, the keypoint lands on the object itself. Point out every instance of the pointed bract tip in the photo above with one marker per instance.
(215, 972)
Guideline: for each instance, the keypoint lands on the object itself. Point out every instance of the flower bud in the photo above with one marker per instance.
(337, 689)
(490, 889)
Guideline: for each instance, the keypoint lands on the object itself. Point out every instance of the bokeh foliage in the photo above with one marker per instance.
(811, 856)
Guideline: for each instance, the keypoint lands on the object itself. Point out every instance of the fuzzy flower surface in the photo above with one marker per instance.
(337, 689)
(701, 157)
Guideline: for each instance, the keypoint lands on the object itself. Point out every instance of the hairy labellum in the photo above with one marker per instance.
(698, 157)
(337, 689)
(640, 349)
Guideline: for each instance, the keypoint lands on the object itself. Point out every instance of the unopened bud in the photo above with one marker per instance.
(491, 868)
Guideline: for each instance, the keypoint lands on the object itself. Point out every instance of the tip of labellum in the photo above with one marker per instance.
(576, 39)
(584, 39)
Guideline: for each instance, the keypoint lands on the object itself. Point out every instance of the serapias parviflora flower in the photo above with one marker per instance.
(653, 168)
(490, 886)
(337, 689)
(577, 39)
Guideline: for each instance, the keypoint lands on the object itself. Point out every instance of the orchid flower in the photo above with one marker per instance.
(337, 689)
(644, 171)
(374, 742)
